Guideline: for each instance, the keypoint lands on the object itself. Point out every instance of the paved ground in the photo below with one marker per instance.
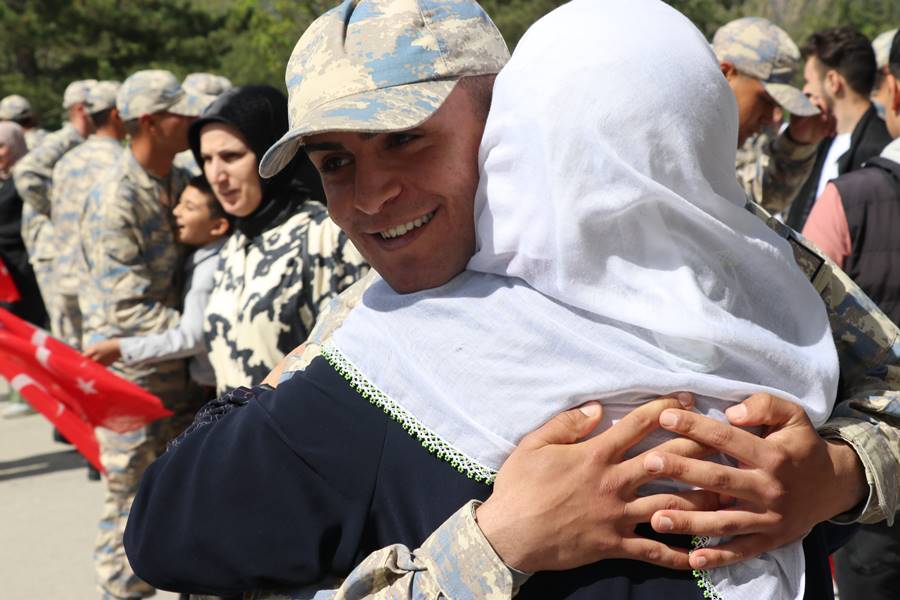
(48, 516)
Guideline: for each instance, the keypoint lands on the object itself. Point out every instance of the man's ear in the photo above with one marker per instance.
(728, 69)
(893, 84)
(834, 82)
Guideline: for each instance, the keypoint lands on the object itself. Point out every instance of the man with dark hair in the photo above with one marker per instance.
(73, 176)
(855, 223)
(839, 74)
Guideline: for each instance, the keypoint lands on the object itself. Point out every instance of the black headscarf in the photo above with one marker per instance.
(259, 113)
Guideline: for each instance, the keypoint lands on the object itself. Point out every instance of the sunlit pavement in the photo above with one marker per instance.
(48, 515)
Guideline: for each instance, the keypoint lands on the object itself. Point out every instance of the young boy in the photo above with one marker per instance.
(201, 223)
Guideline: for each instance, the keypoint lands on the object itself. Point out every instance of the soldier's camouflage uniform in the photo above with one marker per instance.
(34, 137)
(269, 291)
(33, 177)
(73, 177)
(771, 171)
(457, 557)
(133, 264)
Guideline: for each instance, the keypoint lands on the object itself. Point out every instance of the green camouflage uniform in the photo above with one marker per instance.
(133, 266)
(33, 176)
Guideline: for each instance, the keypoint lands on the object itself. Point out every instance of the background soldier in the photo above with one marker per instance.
(17, 109)
(73, 177)
(34, 181)
(128, 240)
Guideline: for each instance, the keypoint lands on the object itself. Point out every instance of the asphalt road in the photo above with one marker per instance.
(48, 516)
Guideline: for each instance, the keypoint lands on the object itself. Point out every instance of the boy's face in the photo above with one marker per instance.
(194, 225)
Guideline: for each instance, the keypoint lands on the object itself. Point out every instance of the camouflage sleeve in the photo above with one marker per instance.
(456, 561)
(37, 233)
(789, 165)
(867, 415)
(33, 174)
(120, 271)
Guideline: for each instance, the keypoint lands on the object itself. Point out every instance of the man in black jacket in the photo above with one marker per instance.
(839, 74)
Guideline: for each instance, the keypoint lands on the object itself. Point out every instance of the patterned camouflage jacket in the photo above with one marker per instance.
(34, 137)
(73, 177)
(33, 176)
(134, 266)
(458, 562)
(771, 171)
(269, 291)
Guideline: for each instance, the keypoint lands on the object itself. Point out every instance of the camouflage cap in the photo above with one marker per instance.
(759, 48)
(206, 84)
(882, 47)
(154, 91)
(102, 96)
(382, 65)
(15, 107)
(77, 92)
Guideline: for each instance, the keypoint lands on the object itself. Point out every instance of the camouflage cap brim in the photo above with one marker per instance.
(791, 99)
(377, 111)
(191, 105)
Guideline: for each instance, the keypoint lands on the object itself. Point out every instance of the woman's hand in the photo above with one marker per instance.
(106, 352)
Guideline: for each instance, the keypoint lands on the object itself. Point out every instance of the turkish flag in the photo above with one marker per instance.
(75, 393)
(8, 291)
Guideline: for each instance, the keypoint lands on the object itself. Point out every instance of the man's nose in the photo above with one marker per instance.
(375, 187)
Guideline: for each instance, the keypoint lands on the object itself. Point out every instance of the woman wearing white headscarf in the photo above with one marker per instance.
(12, 249)
(614, 262)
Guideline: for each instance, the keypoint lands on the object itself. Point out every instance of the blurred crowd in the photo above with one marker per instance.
(143, 234)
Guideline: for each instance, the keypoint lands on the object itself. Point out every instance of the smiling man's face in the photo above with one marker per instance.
(406, 199)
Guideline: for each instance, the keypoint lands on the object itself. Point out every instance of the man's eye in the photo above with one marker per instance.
(333, 163)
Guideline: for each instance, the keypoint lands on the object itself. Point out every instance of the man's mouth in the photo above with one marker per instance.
(401, 230)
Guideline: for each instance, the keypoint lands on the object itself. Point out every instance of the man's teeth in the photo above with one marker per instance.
(404, 229)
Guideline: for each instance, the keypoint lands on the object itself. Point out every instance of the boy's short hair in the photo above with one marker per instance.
(215, 207)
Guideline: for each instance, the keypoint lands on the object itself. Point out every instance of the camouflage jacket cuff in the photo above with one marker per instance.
(784, 147)
(464, 564)
(873, 449)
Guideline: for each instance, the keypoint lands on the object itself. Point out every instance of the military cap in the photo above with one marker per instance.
(382, 65)
(206, 84)
(882, 47)
(77, 92)
(15, 107)
(153, 91)
(759, 48)
(102, 96)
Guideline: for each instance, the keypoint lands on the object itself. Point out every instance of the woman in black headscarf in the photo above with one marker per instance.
(286, 258)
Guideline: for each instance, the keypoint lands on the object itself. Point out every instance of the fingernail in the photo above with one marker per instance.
(737, 413)
(654, 463)
(591, 409)
(668, 419)
(664, 524)
(685, 399)
(699, 561)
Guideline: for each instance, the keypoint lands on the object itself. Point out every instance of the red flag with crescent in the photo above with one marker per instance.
(73, 392)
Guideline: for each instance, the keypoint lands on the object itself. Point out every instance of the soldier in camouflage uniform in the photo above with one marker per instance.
(760, 59)
(457, 558)
(73, 177)
(17, 109)
(133, 265)
(209, 86)
(33, 177)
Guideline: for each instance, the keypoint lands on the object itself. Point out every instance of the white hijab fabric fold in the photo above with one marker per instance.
(615, 261)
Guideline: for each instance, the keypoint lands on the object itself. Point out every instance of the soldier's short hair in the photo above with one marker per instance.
(101, 117)
(132, 127)
(847, 51)
(480, 89)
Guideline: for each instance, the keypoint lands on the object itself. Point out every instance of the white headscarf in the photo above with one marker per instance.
(614, 261)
